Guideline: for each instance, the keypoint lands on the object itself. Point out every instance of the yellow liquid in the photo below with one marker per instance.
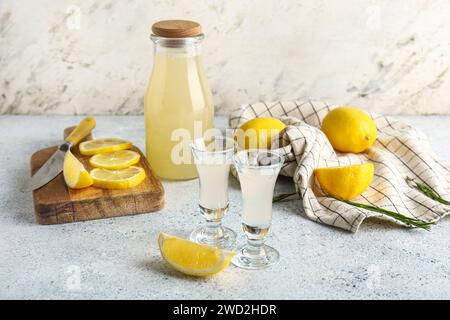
(177, 97)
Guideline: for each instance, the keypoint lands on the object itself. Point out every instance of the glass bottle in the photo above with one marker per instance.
(178, 103)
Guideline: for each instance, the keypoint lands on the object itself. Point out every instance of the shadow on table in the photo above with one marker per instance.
(158, 265)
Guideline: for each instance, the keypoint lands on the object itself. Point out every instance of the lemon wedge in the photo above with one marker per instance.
(103, 145)
(118, 179)
(345, 182)
(75, 175)
(115, 160)
(193, 258)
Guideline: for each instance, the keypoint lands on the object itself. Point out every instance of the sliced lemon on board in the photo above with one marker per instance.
(193, 258)
(75, 175)
(115, 160)
(103, 145)
(345, 182)
(118, 179)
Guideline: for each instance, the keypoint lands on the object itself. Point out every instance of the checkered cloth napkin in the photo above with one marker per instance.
(399, 152)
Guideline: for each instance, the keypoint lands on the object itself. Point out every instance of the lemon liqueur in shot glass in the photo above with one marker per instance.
(258, 171)
(213, 157)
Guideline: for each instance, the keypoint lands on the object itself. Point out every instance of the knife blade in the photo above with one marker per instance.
(54, 165)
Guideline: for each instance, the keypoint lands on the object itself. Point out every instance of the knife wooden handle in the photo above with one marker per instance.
(82, 130)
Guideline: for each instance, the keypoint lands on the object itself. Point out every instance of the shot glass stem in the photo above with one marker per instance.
(255, 248)
(214, 229)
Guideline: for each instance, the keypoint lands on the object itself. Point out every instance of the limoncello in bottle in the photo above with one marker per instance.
(178, 103)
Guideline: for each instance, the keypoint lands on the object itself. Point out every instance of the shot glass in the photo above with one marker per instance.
(213, 158)
(258, 171)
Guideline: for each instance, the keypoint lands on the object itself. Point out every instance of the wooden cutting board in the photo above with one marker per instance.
(55, 203)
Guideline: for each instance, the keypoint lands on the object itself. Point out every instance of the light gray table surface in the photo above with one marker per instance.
(119, 258)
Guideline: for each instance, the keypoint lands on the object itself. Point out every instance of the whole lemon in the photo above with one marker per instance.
(349, 129)
(258, 133)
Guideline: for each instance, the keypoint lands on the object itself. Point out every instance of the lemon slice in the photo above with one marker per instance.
(118, 179)
(115, 160)
(345, 182)
(193, 258)
(103, 145)
(75, 174)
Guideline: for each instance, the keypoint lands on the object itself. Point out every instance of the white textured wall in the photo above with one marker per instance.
(387, 56)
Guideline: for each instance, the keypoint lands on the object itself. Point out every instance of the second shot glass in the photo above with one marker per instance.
(213, 158)
(258, 171)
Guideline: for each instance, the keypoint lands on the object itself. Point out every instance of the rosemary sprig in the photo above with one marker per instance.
(416, 223)
(427, 191)
(282, 196)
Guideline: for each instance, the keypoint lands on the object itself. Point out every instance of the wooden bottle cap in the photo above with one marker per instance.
(176, 28)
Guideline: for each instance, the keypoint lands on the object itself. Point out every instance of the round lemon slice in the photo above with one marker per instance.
(193, 258)
(118, 179)
(103, 145)
(115, 160)
(345, 182)
(75, 175)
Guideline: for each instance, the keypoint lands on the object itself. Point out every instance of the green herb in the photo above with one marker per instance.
(282, 196)
(416, 223)
(430, 193)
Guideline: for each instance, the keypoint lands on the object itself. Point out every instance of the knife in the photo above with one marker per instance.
(54, 165)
